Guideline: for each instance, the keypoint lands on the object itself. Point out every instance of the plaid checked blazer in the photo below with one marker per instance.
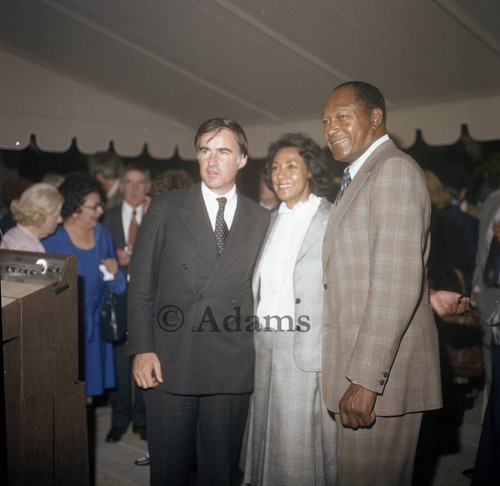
(378, 327)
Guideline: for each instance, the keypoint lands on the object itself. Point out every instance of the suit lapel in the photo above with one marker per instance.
(243, 224)
(316, 229)
(120, 229)
(339, 210)
(197, 221)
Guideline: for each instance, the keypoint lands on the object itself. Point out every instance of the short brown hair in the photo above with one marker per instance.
(215, 125)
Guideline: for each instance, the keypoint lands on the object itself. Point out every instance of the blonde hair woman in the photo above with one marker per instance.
(37, 212)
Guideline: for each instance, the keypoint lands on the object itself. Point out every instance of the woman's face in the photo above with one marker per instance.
(290, 176)
(90, 211)
(50, 223)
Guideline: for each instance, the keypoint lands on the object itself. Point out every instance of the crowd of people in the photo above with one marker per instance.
(295, 338)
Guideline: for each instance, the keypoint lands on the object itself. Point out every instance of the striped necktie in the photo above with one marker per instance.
(346, 180)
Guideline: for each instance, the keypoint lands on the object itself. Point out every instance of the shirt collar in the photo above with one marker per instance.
(128, 209)
(356, 165)
(211, 197)
(312, 199)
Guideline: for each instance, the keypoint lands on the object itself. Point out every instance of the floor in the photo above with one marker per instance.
(115, 462)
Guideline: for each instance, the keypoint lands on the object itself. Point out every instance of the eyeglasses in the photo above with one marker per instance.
(94, 207)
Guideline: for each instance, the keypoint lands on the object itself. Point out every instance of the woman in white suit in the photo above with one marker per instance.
(291, 437)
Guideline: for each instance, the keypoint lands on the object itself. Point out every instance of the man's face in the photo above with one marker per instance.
(347, 128)
(134, 185)
(220, 160)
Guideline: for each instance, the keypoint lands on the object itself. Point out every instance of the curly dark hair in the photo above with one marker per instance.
(367, 95)
(320, 182)
(170, 180)
(76, 187)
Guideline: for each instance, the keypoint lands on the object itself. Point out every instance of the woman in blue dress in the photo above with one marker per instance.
(83, 236)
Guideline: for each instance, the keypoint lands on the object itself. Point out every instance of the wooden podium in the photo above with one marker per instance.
(45, 404)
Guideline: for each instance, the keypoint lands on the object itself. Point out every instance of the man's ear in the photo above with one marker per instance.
(376, 117)
(243, 161)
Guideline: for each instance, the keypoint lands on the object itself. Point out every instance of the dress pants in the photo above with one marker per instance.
(487, 467)
(381, 455)
(180, 426)
(122, 407)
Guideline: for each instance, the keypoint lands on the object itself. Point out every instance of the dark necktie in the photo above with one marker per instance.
(221, 230)
(346, 180)
(132, 231)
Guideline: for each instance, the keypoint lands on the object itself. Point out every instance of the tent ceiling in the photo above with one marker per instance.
(270, 64)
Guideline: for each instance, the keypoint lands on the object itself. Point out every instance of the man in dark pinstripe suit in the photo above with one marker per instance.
(190, 308)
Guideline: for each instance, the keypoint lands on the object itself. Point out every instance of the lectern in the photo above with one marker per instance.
(44, 401)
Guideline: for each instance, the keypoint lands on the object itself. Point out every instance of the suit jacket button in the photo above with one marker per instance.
(184, 266)
(297, 328)
(325, 286)
(297, 301)
(385, 375)
(381, 382)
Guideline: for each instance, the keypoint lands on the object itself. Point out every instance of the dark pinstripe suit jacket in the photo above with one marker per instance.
(188, 304)
(112, 220)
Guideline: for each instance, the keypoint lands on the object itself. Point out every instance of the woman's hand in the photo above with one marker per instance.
(111, 265)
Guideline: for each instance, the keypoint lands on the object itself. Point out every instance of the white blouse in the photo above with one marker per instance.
(278, 263)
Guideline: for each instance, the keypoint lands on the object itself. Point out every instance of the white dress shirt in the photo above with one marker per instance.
(127, 210)
(212, 204)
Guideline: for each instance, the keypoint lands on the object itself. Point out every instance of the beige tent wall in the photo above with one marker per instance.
(440, 124)
(56, 108)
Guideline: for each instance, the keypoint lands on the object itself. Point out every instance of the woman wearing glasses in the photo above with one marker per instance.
(83, 236)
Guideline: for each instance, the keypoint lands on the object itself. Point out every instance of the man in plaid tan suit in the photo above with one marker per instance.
(380, 344)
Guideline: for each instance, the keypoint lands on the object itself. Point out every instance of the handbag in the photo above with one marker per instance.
(465, 361)
(112, 322)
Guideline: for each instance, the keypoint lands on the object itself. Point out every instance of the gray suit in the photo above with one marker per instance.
(308, 287)
(486, 468)
(191, 306)
(290, 437)
(489, 297)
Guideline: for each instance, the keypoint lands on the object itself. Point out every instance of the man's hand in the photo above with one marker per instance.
(123, 257)
(445, 303)
(146, 370)
(356, 407)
